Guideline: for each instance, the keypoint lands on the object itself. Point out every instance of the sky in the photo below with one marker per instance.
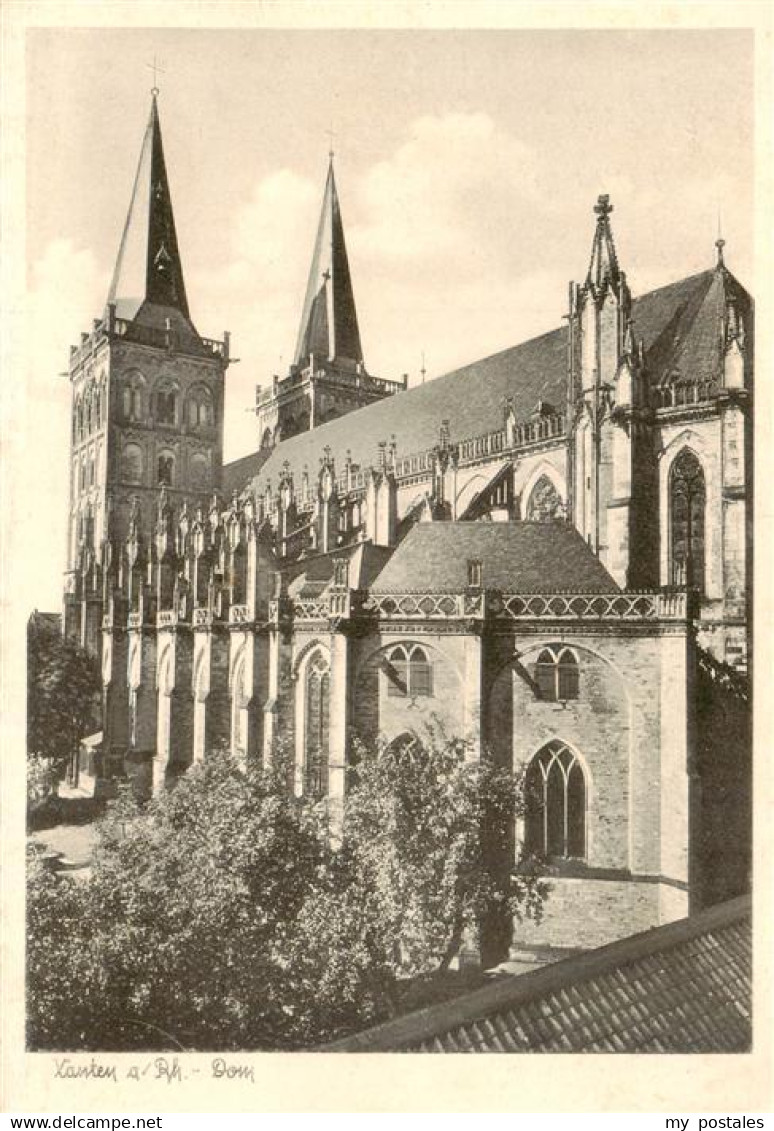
(467, 164)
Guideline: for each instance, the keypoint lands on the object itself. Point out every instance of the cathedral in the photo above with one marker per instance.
(546, 552)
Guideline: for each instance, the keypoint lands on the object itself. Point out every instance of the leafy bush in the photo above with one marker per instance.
(223, 915)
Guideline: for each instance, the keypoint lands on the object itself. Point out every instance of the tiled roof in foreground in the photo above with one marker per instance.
(684, 987)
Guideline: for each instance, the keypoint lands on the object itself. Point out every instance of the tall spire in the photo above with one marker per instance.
(604, 262)
(148, 268)
(329, 326)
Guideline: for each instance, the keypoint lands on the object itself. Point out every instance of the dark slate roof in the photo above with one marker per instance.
(45, 622)
(685, 987)
(309, 577)
(240, 471)
(472, 398)
(518, 557)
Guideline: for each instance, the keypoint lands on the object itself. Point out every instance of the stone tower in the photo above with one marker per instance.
(147, 399)
(328, 377)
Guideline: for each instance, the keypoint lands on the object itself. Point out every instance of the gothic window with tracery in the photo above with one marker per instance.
(409, 672)
(316, 726)
(557, 674)
(555, 819)
(687, 502)
(545, 503)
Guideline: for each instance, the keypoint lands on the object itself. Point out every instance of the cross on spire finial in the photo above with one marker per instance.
(331, 136)
(603, 207)
(157, 70)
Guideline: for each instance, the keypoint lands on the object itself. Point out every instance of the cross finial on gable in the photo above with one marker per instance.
(603, 207)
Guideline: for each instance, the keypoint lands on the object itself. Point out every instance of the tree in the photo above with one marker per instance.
(63, 683)
(181, 926)
(228, 914)
(425, 869)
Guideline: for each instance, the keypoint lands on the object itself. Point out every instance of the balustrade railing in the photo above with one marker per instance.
(682, 393)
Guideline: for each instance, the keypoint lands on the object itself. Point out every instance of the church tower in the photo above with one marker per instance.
(147, 399)
(328, 377)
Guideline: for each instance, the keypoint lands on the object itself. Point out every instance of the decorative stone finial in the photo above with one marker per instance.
(603, 207)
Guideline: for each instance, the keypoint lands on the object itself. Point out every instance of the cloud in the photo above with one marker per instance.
(66, 290)
(444, 194)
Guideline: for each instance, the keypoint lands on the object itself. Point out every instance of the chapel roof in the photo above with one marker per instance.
(516, 557)
(681, 988)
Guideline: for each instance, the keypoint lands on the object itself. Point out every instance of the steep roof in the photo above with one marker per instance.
(329, 327)
(673, 321)
(519, 557)
(148, 272)
(685, 987)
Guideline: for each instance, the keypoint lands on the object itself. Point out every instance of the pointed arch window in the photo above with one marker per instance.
(544, 504)
(555, 821)
(687, 506)
(316, 726)
(409, 672)
(557, 674)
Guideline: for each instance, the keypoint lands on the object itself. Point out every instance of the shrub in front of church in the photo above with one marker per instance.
(177, 938)
(423, 879)
(224, 914)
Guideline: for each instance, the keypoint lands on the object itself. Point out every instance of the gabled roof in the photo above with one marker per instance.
(685, 987)
(148, 271)
(680, 317)
(517, 557)
(329, 326)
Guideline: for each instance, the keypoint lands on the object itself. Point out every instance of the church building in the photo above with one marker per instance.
(546, 552)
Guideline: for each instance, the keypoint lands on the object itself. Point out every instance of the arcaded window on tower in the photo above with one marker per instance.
(687, 503)
(316, 726)
(166, 406)
(409, 672)
(199, 471)
(131, 464)
(200, 414)
(544, 503)
(555, 791)
(166, 469)
(557, 676)
(131, 401)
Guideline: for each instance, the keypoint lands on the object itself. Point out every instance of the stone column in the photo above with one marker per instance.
(174, 750)
(472, 690)
(338, 733)
(675, 780)
(143, 709)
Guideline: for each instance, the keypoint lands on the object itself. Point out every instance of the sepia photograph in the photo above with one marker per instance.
(388, 485)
